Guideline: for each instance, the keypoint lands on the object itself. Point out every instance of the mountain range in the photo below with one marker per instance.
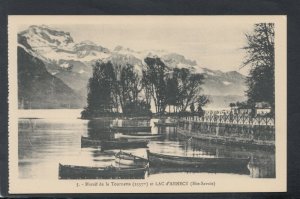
(54, 57)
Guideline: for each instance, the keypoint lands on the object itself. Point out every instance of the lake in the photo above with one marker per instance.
(49, 137)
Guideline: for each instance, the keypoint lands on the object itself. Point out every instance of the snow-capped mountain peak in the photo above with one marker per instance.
(44, 36)
(56, 45)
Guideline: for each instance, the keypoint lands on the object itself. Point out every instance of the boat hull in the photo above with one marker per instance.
(82, 172)
(141, 136)
(122, 129)
(114, 144)
(127, 159)
(161, 160)
(175, 169)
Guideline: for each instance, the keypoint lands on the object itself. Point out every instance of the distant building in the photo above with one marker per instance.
(262, 108)
(244, 110)
(234, 109)
(241, 108)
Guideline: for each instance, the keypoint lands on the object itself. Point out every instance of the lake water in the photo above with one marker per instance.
(50, 137)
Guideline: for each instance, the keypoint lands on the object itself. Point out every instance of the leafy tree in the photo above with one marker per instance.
(147, 87)
(200, 111)
(100, 88)
(138, 107)
(192, 108)
(202, 100)
(260, 58)
(129, 87)
(155, 76)
(172, 92)
(232, 105)
(189, 87)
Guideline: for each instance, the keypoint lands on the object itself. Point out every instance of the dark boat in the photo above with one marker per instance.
(165, 124)
(122, 129)
(110, 172)
(128, 159)
(172, 169)
(156, 159)
(143, 136)
(114, 144)
(140, 118)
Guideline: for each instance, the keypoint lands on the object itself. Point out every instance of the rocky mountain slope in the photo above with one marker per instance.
(71, 62)
(37, 88)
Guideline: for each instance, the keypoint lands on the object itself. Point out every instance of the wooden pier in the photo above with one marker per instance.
(241, 130)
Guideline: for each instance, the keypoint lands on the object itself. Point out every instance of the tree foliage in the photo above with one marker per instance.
(189, 87)
(260, 58)
(139, 107)
(172, 91)
(155, 77)
(100, 87)
(128, 87)
(114, 88)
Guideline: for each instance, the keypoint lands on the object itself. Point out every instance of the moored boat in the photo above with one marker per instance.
(114, 144)
(124, 144)
(173, 169)
(131, 128)
(140, 136)
(156, 159)
(128, 159)
(110, 172)
(140, 118)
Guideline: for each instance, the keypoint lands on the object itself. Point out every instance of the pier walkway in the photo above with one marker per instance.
(230, 129)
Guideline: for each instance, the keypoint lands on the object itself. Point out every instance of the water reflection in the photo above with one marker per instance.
(99, 129)
(44, 143)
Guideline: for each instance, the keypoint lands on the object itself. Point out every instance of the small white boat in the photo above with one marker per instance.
(130, 160)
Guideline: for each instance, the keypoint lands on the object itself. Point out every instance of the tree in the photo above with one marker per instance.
(232, 105)
(138, 107)
(260, 58)
(147, 87)
(189, 87)
(202, 100)
(192, 108)
(155, 76)
(129, 87)
(172, 91)
(100, 88)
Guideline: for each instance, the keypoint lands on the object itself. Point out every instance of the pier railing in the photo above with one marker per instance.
(237, 126)
(230, 118)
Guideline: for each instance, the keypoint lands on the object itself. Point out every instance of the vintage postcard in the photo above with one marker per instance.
(147, 104)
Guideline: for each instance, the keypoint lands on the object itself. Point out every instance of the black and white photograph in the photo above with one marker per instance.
(147, 104)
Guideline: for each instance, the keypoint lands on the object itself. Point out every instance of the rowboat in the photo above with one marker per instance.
(140, 118)
(131, 128)
(140, 136)
(174, 169)
(114, 143)
(165, 124)
(128, 159)
(110, 172)
(156, 159)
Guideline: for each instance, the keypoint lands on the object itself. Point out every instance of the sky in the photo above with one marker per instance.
(214, 43)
